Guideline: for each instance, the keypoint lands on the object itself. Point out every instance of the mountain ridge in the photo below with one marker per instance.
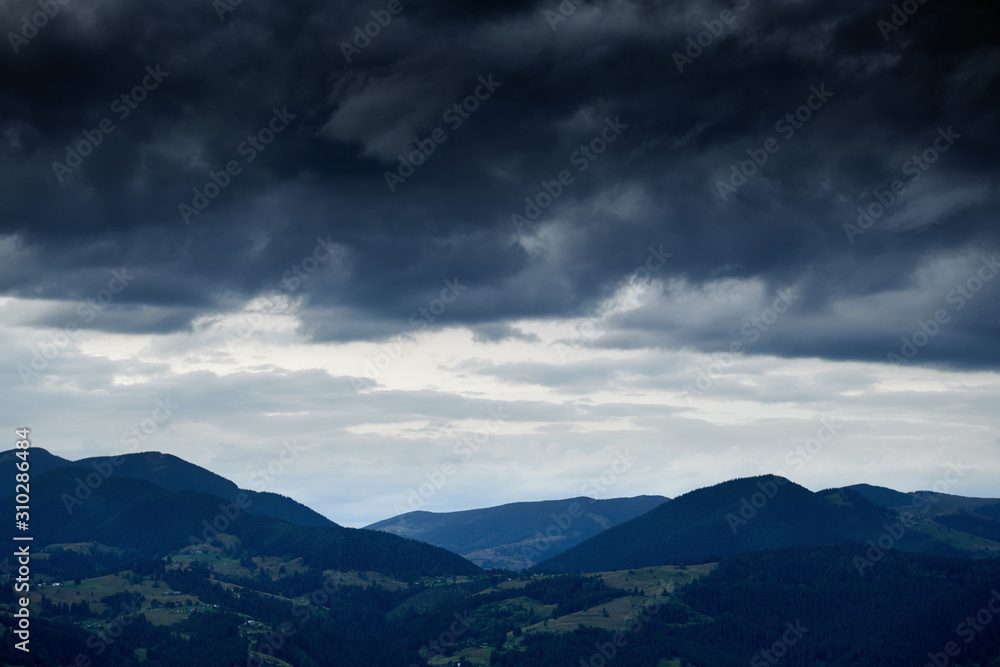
(519, 534)
(740, 515)
(175, 474)
(137, 515)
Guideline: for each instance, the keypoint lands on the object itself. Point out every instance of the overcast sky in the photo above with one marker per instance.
(447, 255)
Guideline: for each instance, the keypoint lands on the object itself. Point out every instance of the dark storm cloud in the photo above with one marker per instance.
(323, 175)
(496, 332)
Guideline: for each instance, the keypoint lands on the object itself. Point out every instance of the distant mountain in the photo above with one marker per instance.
(737, 516)
(165, 470)
(41, 460)
(881, 495)
(944, 501)
(891, 498)
(138, 515)
(518, 535)
(176, 474)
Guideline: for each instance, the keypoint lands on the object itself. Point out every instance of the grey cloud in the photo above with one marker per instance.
(324, 174)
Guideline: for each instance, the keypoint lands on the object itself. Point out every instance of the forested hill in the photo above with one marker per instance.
(176, 474)
(737, 516)
(803, 607)
(137, 515)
